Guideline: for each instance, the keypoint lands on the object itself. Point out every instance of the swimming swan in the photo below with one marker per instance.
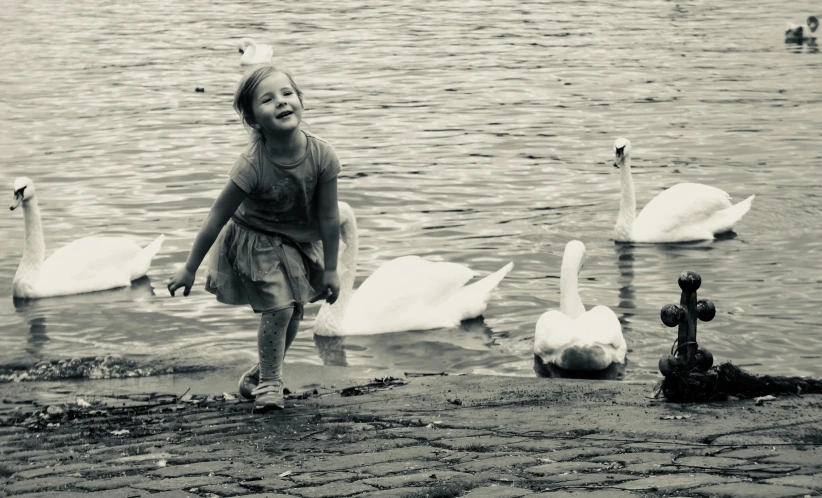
(407, 293)
(797, 33)
(573, 339)
(251, 53)
(85, 265)
(684, 212)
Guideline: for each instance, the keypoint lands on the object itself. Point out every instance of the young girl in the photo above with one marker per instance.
(274, 228)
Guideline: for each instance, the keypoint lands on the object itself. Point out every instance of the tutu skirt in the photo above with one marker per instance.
(269, 272)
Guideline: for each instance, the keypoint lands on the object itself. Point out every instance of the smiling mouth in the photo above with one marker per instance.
(284, 114)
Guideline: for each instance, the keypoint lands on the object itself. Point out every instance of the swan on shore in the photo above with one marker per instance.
(406, 293)
(573, 342)
(682, 213)
(85, 265)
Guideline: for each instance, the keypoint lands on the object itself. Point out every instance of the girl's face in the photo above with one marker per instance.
(277, 108)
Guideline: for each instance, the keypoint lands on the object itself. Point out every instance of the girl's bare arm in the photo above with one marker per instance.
(224, 206)
(329, 220)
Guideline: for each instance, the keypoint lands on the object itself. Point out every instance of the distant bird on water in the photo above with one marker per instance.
(251, 53)
(798, 34)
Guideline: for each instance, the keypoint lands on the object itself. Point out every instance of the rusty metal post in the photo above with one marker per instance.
(688, 352)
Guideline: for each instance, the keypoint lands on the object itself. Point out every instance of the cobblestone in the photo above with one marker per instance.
(752, 490)
(499, 443)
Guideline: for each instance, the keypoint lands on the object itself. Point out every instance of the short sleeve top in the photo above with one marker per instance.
(281, 197)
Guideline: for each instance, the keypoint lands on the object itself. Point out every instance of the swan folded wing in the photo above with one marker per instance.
(404, 294)
(410, 280)
(92, 259)
(681, 207)
(257, 54)
(383, 321)
(263, 54)
(603, 328)
(139, 265)
(472, 300)
(556, 332)
(725, 219)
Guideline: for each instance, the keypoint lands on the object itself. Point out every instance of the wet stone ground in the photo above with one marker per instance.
(444, 437)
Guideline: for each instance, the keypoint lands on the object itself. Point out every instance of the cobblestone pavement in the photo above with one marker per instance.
(439, 437)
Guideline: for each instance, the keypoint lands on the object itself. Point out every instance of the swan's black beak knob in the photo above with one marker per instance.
(18, 198)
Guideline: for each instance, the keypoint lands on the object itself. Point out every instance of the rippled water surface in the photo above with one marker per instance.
(473, 132)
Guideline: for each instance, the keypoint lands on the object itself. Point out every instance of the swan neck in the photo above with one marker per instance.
(569, 301)
(627, 206)
(34, 248)
(348, 258)
(330, 316)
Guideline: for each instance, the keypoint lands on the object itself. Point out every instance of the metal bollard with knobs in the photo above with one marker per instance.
(686, 354)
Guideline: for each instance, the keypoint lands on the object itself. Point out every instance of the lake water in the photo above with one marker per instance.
(473, 132)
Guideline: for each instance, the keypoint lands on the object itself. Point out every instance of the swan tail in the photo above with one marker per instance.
(725, 219)
(139, 266)
(471, 300)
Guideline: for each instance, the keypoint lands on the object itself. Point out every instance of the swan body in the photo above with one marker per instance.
(251, 53)
(573, 339)
(84, 265)
(684, 212)
(797, 33)
(406, 293)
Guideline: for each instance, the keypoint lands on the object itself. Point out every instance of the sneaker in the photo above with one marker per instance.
(249, 381)
(269, 396)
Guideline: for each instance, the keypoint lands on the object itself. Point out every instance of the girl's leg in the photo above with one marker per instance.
(271, 343)
(293, 327)
(251, 378)
(271, 346)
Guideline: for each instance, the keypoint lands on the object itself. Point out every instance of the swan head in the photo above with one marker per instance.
(244, 43)
(574, 257)
(813, 23)
(622, 149)
(23, 191)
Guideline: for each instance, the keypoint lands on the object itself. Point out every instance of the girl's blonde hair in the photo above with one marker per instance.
(245, 93)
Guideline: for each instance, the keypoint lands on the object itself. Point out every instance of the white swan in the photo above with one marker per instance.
(407, 293)
(684, 212)
(85, 265)
(251, 53)
(798, 33)
(573, 339)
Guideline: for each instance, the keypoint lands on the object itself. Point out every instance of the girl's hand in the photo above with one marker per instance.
(182, 278)
(331, 282)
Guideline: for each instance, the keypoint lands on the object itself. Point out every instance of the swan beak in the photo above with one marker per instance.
(241, 51)
(18, 198)
(616, 165)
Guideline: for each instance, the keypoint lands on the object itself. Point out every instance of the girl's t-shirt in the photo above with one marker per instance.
(280, 197)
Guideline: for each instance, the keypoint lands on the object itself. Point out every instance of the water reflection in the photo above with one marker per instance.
(36, 312)
(331, 350)
(139, 289)
(627, 292)
(616, 371)
(37, 335)
(425, 349)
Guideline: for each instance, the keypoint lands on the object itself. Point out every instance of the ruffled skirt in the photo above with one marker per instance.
(266, 271)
